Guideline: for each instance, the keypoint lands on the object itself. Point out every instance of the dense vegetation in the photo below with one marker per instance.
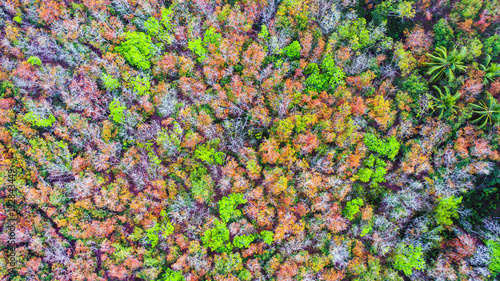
(250, 139)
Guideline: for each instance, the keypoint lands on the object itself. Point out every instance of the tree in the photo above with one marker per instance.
(487, 113)
(217, 238)
(444, 64)
(293, 50)
(117, 111)
(408, 258)
(491, 71)
(352, 208)
(494, 265)
(447, 209)
(138, 49)
(227, 206)
(444, 102)
(171, 275)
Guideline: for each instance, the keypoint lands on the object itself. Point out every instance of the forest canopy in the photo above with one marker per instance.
(249, 140)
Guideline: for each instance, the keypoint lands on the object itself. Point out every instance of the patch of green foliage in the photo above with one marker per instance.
(389, 147)
(217, 238)
(162, 227)
(161, 29)
(227, 206)
(117, 111)
(443, 34)
(446, 210)
(293, 50)
(141, 85)
(352, 208)
(199, 46)
(138, 49)
(209, 155)
(201, 183)
(331, 76)
(494, 265)
(243, 241)
(171, 275)
(109, 82)
(408, 258)
(34, 60)
(40, 122)
(227, 263)
(267, 237)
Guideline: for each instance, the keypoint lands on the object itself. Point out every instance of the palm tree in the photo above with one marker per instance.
(444, 102)
(487, 112)
(443, 63)
(491, 71)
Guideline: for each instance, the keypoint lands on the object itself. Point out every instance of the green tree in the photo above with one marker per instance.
(209, 155)
(33, 60)
(447, 209)
(138, 49)
(293, 50)
(443, 33)
(444, 102)
(38, 121)
(243, 241)
(117, 111)
(486, 112)
(352, 208)
(171, 275)
(217, 238)
(267, 237)
(227, 206)
(491, 70)
(494, 265)
(408, 258)
(444, 64)
(162, 227)
(491, 45)
(109, 82)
